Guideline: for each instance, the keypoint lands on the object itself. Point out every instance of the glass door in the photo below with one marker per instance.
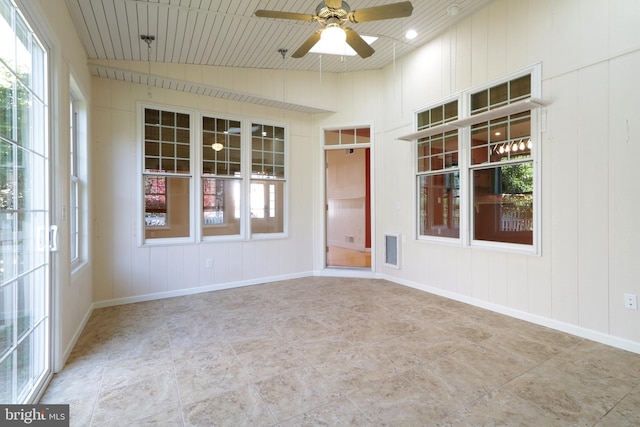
(24, 212)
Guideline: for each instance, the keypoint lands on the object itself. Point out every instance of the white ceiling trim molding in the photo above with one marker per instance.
(161, 82)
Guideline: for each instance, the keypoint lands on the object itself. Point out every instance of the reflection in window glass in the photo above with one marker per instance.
(439, 198)
(503, 204)
(257, 200)
(267, 206)
(503, 139)
(155, 201)
(220, 207)
(167, 215)
(7, 104)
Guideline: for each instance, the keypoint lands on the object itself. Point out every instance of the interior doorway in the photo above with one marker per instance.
(348, 207)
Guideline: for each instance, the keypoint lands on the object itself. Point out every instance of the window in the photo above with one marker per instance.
(78, 210)
(439, 174)
(267, 179)
(74, 202)
(360, 135)
(496, 176)
(221, 176)
(502, 167)
(167, 173)
(242, 177)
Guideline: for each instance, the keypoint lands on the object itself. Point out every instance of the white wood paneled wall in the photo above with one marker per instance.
(124, 271)
(590, 146)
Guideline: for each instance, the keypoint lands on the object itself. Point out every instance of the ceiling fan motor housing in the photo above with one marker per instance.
(324, 12)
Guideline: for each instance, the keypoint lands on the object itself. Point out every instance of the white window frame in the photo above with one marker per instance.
(242, 187)
(196, 174)
(460, 169)
(74, 192)
(249, 179)
(79, 176)
(190, 238)
(464, 124)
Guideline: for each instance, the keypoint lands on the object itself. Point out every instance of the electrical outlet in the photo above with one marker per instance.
(209, 262)
(630, 301)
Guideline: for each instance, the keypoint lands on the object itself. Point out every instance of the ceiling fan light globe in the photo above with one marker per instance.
(333, 35)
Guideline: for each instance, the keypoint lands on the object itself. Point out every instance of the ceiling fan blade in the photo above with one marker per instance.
(307, 45)
(333, 4)
(358, 44)
(284, 15)
(377, 13)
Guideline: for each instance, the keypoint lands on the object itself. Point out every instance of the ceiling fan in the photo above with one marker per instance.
(333, 16)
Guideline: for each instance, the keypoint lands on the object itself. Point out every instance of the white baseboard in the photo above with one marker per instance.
(569, 328)
(74, 340)
(196, 290)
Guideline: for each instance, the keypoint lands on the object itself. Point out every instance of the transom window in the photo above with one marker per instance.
(347, 136)
(501, 94)
(438, 115)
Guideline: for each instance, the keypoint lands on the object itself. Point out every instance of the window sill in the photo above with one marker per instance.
(77, 267)
(515, 108)
(511, 248)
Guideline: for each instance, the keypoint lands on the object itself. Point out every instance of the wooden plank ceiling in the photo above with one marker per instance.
(226, 33)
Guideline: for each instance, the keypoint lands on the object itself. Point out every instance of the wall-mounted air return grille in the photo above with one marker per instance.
(392, 250)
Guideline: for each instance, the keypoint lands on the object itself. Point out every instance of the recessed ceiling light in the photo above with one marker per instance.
(411, 34)
(453, 9)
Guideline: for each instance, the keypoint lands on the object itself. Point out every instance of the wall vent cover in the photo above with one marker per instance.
(392, 250)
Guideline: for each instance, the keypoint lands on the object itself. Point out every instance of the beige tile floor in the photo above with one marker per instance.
(331, 352)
